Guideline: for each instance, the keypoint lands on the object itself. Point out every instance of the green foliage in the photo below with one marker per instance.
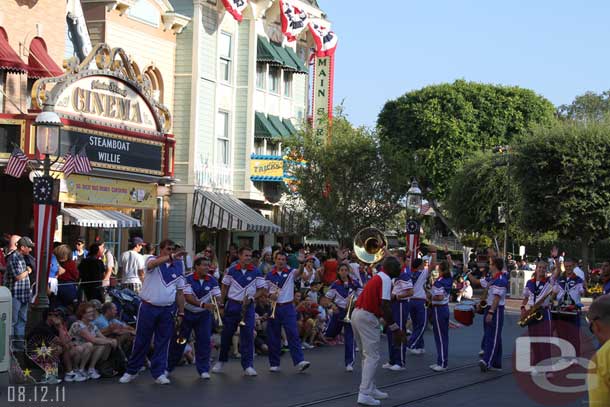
(588, 107)
(564, 175)
(428, 133)
(343, 183)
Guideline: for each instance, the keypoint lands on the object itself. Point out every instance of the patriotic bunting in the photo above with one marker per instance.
(294, 20)
(16, 164)
(412, 244)
(325, 39)
(236, 8)
(82, 163)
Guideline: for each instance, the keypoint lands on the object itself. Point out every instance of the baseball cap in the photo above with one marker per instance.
(25, 241)
(137, 240)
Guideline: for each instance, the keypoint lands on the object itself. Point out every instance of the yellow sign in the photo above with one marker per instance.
(266, 168)
(82, 189)
(322, 91)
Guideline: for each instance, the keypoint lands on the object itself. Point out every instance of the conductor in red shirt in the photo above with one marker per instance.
(372, 304)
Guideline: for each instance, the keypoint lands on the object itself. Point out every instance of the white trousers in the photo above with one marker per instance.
(368, 337)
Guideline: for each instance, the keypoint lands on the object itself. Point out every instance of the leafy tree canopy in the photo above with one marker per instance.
(588, 107)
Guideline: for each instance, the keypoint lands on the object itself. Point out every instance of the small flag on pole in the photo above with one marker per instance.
(83, 165)
(16, 164)
(69, 163)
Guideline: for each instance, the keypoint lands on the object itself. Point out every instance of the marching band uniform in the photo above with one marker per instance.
(534, 290)
(339, 293)
(400, 313)
(568, 290)
(155, 316)
(484, 284)
(607, 287)
(198, 319)
(243, 284)
(418, 311)
(439, 315)
(492, 339)
(282, 281)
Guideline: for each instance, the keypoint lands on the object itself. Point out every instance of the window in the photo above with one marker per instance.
(274, 79)
(28, 97)
(2, 89)
(272, 148)
(287, 84)
(226, 51)
(222, 138)
(259, 147)
(10, 136)
(261, 75)
(145, 12)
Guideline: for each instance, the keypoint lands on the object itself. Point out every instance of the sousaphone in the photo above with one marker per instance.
(368, 245)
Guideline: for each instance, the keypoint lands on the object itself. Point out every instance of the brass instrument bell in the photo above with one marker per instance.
(368, 245)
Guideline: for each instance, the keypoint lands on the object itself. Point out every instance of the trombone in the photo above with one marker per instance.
(216, 311)
(349, 309)
(273, 307)
(180, 340)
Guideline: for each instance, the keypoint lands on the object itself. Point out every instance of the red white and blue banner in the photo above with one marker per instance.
(325, 39)
(412, 238)
(236, 8)
(45, 218)
(294, 20)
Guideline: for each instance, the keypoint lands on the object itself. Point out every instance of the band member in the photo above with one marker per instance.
(402, 289)
(199, 289)
(439, 314)
(241, 283)
(538, 289)
(494, 315)
(161, 294)
(568, 289)
(338, 298)
(417, 306)
(374, 303)
(280, 285)
(605, 277)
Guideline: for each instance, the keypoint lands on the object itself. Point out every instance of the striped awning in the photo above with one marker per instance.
(216, 210)
(97, 218)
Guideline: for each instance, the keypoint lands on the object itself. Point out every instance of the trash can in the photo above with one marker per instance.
(6, 327)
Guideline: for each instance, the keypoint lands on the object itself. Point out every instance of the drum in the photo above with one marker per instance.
(464, 314)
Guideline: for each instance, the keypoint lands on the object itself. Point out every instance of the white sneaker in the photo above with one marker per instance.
(483, 366)
(80, 376)
(438, 368)
(307, 345)
(217, 367)
(274, 369)
(126, 378)
(249, 371)
(205, 375)
(379, 395)
(481, 352)
(367, 400)
(396, 368)
(349, 368)
(70, 376)
(162, 380)
(386, 365)
(93, 374)
(303, 365)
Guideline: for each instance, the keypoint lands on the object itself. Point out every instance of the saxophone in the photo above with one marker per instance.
(535, 312)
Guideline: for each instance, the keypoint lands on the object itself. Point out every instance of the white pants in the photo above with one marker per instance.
(368, 337)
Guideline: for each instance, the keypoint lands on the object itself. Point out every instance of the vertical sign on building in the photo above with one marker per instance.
(322, 112)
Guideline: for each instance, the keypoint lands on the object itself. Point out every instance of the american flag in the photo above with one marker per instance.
(83, 165)
(69, 163)
(16, 164)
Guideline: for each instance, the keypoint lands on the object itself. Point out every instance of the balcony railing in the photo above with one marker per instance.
(217, 177)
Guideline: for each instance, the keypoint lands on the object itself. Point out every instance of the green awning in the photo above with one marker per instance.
(277, 123)
(265, 52)
(302, 67)
(287, 62)
(288, 124)
(263, 127)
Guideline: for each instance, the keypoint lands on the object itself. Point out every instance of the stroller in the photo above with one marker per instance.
(127, 303)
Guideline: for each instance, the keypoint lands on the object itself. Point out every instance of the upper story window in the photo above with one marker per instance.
(223, 151)
(274, 79)
(261, 75)
(287, 84)
(226, 56)
(259, 147)
(144, 12)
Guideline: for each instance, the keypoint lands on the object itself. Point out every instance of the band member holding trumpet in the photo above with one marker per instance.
(439, 314)
(161, 294)
(242, 283)
(341, 297)
(417, 305)
(494, 316)
(280, 286)
(201, 292)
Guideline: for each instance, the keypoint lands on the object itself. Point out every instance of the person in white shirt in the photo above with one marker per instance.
(161, 294)
(132, 264)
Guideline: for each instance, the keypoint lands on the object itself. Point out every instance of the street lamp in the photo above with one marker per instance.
(414, 201)
(45, 207)
(414, 197)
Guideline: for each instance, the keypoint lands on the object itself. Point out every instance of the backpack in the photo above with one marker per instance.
(115, 364)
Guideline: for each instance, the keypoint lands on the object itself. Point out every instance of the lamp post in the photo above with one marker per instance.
(505, 151)
(45, 205)
(414, 201)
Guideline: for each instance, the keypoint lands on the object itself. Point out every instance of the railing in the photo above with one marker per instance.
(217, 177)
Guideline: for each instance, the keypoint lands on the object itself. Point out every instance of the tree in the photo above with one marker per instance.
(587, 107)
(343, 183)
(428, 133)
(564, 173)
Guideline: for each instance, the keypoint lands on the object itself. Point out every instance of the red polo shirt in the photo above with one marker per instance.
(330, 271)
(378, 288)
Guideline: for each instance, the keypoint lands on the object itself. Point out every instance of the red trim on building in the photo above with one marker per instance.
(9, 60)
(40, 63)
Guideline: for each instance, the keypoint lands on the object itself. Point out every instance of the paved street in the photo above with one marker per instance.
(326, 383)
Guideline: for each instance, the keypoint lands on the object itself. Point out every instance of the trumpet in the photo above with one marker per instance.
(244, 310)
(350, 306)
(216, 311)
(180, 340)
(273, 306)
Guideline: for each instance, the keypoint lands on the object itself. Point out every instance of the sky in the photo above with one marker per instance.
(558, 48)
